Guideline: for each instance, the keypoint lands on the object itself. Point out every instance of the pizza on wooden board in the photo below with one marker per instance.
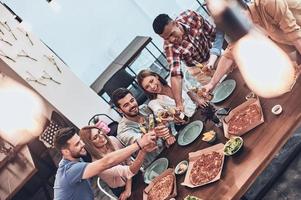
(162, 189)
(242, 119)
(206, 168)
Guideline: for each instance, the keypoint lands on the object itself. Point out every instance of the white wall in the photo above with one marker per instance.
(72, 97)
(88, 35)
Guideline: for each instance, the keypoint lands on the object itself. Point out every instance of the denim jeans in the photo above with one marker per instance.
(219, 38)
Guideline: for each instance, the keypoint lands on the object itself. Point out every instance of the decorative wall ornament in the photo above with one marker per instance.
(26, 34)
(32, 78)
(7, 27)
(48, 77)
(6, 56)
(5, 147)
(8, 152)
(7, 42)
(25, 55)
(52, 60)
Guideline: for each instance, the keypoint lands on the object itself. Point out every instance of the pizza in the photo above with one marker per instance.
(204, 95)
(243, 119)
(162, 188)
(206, 168)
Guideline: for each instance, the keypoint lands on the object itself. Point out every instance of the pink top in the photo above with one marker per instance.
(116, 176)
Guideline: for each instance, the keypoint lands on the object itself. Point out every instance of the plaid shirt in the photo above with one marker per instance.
(195, 45)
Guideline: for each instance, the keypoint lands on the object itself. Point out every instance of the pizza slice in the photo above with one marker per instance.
(162, 188)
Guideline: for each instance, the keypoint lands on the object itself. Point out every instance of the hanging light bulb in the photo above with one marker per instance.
(22, 112)
(265, 67)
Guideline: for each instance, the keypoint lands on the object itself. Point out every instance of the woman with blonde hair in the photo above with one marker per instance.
(119, 177)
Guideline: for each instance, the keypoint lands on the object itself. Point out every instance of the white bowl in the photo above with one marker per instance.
(183, 162)
(277, 109)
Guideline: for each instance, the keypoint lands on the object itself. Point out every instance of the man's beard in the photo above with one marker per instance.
(132, 114)
(77, 155)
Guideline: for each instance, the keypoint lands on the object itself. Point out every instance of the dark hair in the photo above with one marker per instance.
(62, 136)
(244, 4)
(145, 73)
(119, 94)
(160, 22)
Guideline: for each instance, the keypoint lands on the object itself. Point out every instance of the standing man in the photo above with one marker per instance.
(188, 38)
(129, 127)
(72, 177)
(279, 19)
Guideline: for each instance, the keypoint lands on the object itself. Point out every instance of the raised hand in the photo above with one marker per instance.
(202, 103)
(148, 138)
(180, 107)
(161, 130)
(170, 140)
(208, 87)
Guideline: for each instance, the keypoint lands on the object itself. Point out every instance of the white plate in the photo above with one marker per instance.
(155, 169)
(223, 90)
(190, 133)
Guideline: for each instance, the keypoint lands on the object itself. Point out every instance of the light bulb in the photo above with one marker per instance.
(22, 112)
(266, 69)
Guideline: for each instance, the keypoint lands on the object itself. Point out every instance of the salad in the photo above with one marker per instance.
(233, 145)
(189, 197)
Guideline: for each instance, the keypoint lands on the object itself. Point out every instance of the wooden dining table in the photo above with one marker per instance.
(260, 146)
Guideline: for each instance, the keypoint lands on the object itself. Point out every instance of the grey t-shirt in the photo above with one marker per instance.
(129, 131)
(69, 183)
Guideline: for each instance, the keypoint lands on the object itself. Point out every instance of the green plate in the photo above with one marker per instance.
(155, 169)
(190, 133)
(223, 90)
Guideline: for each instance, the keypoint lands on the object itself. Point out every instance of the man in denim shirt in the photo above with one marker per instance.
(72, 180)
(129, 128)
(189, 38)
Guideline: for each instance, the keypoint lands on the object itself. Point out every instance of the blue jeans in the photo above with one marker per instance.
(219, 38)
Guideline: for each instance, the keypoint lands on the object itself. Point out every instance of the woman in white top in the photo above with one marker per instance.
(161, 95)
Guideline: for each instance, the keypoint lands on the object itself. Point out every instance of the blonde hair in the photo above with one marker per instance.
(85, 134)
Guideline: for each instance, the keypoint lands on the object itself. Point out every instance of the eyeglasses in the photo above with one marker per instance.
(99, 133)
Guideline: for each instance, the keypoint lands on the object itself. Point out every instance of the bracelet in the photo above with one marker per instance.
(138, 145)
(165, 137)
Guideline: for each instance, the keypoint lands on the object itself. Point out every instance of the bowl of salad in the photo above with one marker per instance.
(190, 197)
(233, 145)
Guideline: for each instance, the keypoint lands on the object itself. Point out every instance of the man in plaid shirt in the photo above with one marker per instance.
(188, 38)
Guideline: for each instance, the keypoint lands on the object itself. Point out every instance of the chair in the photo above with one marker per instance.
(104, 191)
(46, 158)
(112, 124)
(123, 79)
